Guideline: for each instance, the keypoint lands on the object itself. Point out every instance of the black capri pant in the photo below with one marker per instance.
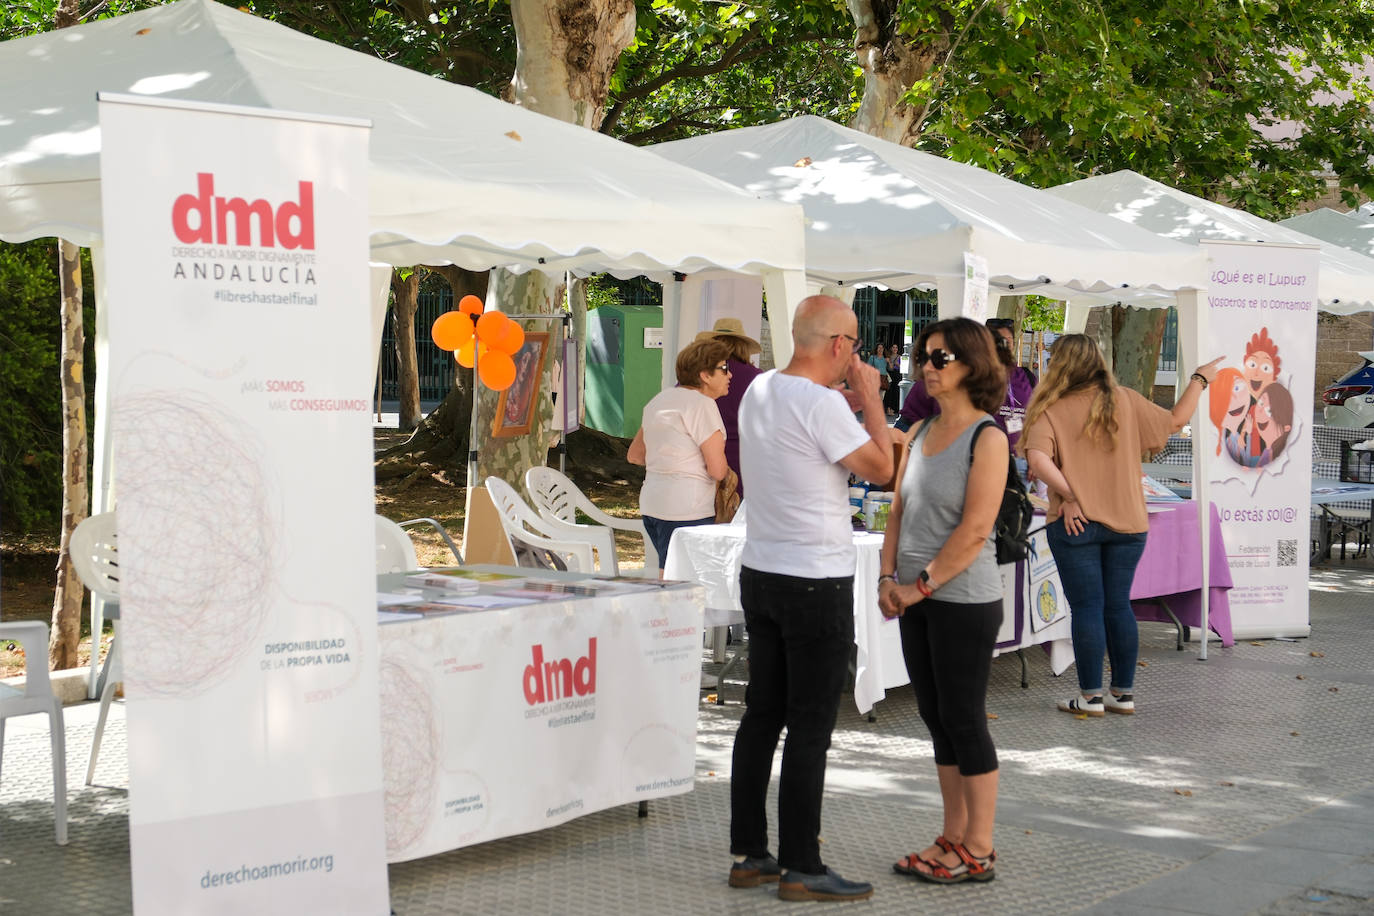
(948, 652)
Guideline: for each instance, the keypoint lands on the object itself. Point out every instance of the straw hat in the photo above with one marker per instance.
(730, 327)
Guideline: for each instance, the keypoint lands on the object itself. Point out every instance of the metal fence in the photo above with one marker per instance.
(436, 366)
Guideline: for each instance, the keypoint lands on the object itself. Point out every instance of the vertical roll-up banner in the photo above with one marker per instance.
(236, 254)
(1256, 426)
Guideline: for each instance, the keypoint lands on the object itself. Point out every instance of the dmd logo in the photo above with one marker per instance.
(291, 223)
(560, 679)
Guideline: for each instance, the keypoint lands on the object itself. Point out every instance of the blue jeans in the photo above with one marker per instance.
(800, 634)
(660, 531)
(1096, 568)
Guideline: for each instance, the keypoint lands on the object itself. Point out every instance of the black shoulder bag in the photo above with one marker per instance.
(1011, 534)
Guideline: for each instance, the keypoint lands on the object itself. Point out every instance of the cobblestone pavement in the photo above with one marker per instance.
(1244, 784)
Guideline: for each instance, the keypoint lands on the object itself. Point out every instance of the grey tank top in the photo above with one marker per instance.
(932, 506)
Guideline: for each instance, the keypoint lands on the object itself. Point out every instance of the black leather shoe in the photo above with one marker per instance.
(827, 886)
(755, 870)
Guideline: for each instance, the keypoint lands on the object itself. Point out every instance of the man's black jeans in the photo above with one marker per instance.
(800, 635)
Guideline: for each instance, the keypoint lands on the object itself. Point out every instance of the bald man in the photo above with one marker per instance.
(799, 441)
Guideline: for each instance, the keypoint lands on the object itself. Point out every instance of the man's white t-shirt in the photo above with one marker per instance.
(676, 485)
(793, 434)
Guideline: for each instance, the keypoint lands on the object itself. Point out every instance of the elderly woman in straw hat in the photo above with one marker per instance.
(742, 372)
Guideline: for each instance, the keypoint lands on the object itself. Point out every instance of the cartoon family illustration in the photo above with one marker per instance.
(1252, 411)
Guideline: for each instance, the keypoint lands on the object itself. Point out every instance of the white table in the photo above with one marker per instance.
(710, 556)
(480, 742)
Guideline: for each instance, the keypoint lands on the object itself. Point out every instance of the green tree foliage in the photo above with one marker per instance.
(30, 398)
(1053, 90)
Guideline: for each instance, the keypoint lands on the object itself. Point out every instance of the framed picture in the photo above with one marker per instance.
(515, 407)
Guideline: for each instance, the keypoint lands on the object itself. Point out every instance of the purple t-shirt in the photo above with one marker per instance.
(741, 376)
(1020, 386)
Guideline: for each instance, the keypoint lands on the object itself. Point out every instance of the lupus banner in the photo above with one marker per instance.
(236, 245)
(1262, 316)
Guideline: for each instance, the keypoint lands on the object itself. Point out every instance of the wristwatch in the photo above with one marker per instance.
(924, 585)
(1201, 378)
(887, 577)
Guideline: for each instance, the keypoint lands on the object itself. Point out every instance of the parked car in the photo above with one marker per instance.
(1350, 400)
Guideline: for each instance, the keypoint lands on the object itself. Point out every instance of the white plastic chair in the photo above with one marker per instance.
(572, 543)
(95, 557)
(556, 497)
(37, 696)
(395, 549)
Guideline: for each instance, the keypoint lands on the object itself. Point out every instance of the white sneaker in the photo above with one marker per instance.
(1080, 706)
(1123, 704)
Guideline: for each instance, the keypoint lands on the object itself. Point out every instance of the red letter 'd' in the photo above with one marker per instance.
(303, 213)
(534, 674)
(181, 209)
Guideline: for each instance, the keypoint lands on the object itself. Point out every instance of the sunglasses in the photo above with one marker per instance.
(996, 323)
(938, 358)
(854, 341)
(724, 367)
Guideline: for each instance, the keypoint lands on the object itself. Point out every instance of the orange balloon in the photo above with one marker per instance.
(497, 370)
(471, 304)
(511, 338)
(464, 352)
(489, 327)
(450, 330)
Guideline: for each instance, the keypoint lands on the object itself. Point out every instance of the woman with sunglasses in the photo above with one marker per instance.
(1084, 438)
(681, 443)
(940, 576)
(1010, 415)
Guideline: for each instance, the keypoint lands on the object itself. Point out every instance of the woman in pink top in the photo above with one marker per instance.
(681, 443)
(1084, 437)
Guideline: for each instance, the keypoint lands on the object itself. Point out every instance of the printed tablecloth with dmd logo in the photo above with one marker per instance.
(505, 721)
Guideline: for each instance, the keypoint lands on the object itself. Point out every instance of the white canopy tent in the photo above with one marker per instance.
(882, 214)
(1348, 230)
(1346, 281)
(455, 176)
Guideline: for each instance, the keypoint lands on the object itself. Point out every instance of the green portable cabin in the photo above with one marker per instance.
(624, 365)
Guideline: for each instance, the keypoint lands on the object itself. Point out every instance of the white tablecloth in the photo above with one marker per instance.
(507, 721)
(710, 555)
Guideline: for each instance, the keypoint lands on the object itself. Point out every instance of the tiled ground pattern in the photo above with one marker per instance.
(1244, 784)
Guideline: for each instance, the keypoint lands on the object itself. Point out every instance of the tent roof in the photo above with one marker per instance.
(456, 175)
(1345, 284)
(1348, 230)
(881, 213)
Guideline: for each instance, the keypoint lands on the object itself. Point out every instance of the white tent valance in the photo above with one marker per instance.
(455, 175)
(880, 213)
(1346, 279)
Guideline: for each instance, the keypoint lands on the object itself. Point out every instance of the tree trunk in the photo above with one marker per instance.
(530, 293)
(67, 599)
(1136, 338)
(892, 62)
(440, 439)
(405, 299)
(76, 493)
(567, 51)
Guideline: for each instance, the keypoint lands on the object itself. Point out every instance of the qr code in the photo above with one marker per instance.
(1288, 552)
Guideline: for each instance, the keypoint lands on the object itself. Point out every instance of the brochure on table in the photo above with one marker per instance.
(1256, 435)
(236, 253)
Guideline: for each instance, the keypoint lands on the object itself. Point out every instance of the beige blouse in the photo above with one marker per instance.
(1107, 483)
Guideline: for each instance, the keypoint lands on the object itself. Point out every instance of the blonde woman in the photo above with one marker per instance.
(1084, 437)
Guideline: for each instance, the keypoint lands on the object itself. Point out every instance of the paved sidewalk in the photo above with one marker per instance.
(1244, 784)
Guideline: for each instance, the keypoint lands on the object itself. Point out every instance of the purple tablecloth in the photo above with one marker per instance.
(1171, 570)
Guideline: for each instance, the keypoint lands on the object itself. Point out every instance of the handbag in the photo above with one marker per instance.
(1011, 533)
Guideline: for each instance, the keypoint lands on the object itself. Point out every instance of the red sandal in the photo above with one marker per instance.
(970, 868)
(906, 865)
